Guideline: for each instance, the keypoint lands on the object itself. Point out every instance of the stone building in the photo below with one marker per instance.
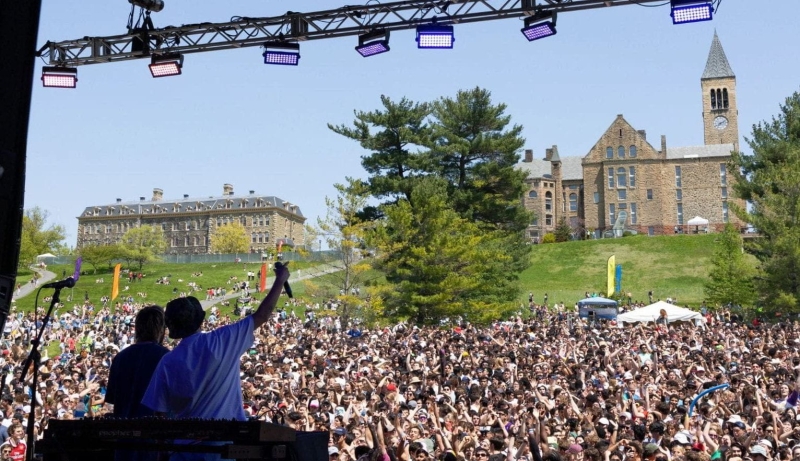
(624, 182)
(188, 223)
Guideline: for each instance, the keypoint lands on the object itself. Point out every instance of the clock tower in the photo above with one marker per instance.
(720, 114)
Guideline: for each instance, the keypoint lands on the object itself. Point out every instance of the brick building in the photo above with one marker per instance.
(188, 223)
(625, 181)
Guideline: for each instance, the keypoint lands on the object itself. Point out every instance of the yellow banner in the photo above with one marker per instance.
(612, 264)
(115, 283)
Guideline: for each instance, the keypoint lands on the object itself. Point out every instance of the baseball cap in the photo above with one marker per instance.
(333, 451)
(758, 450)
(340, 431)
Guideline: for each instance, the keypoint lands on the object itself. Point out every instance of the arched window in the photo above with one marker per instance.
(621, 151)
(622, 177)
(573, 202)
(713, 99)
(609, 152)
(632, 151)
(724, 98)
(548, 201)
(532, 194)
(719, 98)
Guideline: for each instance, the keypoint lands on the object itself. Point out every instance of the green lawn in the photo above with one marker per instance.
(671, 266)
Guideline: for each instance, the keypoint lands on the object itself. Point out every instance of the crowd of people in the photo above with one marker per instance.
(547, 386)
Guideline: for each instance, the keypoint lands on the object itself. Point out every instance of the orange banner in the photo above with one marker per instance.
(115, 283)
(263, 277)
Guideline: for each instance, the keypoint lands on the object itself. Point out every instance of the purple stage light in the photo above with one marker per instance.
(687, 12)
(435, 36)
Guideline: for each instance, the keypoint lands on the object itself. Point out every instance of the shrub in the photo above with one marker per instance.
(549, 238)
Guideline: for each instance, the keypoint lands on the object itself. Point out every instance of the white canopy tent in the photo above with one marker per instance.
(45, 256)
(653, 311)
(698, 221)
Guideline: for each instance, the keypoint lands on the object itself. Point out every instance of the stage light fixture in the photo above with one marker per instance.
(282, 53)
(540, 25)
(372, 43)
(166, 65)
(59, 77)
(432, 36)
(686, 11)
(150, 5)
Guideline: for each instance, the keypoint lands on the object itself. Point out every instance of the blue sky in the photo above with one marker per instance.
(231, 119)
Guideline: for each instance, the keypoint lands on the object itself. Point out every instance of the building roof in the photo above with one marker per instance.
(717, 65)
(188, 204)
(570, 168)
(711, 150)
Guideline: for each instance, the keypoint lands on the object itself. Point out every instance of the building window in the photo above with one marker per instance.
(253, 238)
(724, 98)
(679, 195)
(678, 177)
(573, 202)
(563, 201)
(548, 220)
(621, 151)
(723, 174)
(632, 151)
(724, 192)
(622, 194)
(622, 177)
(596, 197)
(713, 99)
(680, 214)
(612, 215)
(651, 231)
(610, 178)
(632, 176)
(531, 194)
(609, 152)
(649, 194)
(548, 201)
(725, 212)
(535, 221)
(633, 213)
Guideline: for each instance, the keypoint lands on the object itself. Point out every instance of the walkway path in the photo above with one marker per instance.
(28, 288)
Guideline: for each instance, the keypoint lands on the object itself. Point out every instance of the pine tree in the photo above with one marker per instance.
(730, 280)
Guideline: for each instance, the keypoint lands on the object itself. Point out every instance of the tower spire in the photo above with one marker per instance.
(717, 65)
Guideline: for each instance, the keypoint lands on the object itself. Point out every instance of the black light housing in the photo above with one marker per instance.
(59, 77)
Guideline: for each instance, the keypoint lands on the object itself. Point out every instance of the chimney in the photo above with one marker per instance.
(548, 154)
(664, 145)
(252, 192)
(643, 134)
(119, 200)
(158, 194)
(141, 199)
(185, 195)
(227, 189)
(528, 156)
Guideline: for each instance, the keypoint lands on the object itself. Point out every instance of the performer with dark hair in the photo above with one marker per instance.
(132, 369)
(199, 378)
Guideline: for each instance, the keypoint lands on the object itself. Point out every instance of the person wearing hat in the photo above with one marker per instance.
(200, 378)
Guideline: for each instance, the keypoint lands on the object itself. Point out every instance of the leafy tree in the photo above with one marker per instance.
(390, 135)
(37, 236)
(96, 255)
(563, 231)
(439, 264)
(730, 279)
(143, 244)
(230, 238)
(770, 180)
(344, 232)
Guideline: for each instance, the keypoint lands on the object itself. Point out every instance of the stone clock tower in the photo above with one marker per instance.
(720, 113)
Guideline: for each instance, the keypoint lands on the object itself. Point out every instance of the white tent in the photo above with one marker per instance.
(698, 221)
(653, 311)
(45, 256)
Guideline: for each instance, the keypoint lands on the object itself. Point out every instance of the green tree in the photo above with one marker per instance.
(769, 180)
(344, 232)
(563, 232)
(96, 255)
(439, 264)
(730, 279)
(37, 236)
(230, 238)
(393, 136)
(143, 244)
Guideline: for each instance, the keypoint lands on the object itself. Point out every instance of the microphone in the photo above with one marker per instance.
(286, 286)
(68, 282)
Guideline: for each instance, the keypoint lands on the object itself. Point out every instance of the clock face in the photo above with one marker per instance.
(720, 123)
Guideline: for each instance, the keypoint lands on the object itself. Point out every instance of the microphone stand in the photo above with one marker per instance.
(35, 358)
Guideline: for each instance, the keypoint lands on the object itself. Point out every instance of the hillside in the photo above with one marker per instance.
(671, 266)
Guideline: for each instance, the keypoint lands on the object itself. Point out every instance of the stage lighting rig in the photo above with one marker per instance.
(59, 77)
(433, 36)
(149, 5)
(282, 53)
(540, 25)
(372, 43)
(166, 65)
(686, 11)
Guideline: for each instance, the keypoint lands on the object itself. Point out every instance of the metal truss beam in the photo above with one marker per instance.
(243, 32)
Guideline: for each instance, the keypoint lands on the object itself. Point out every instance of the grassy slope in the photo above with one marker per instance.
(670, 266)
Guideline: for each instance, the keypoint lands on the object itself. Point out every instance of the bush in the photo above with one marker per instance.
(549, 238)
(627, 233)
